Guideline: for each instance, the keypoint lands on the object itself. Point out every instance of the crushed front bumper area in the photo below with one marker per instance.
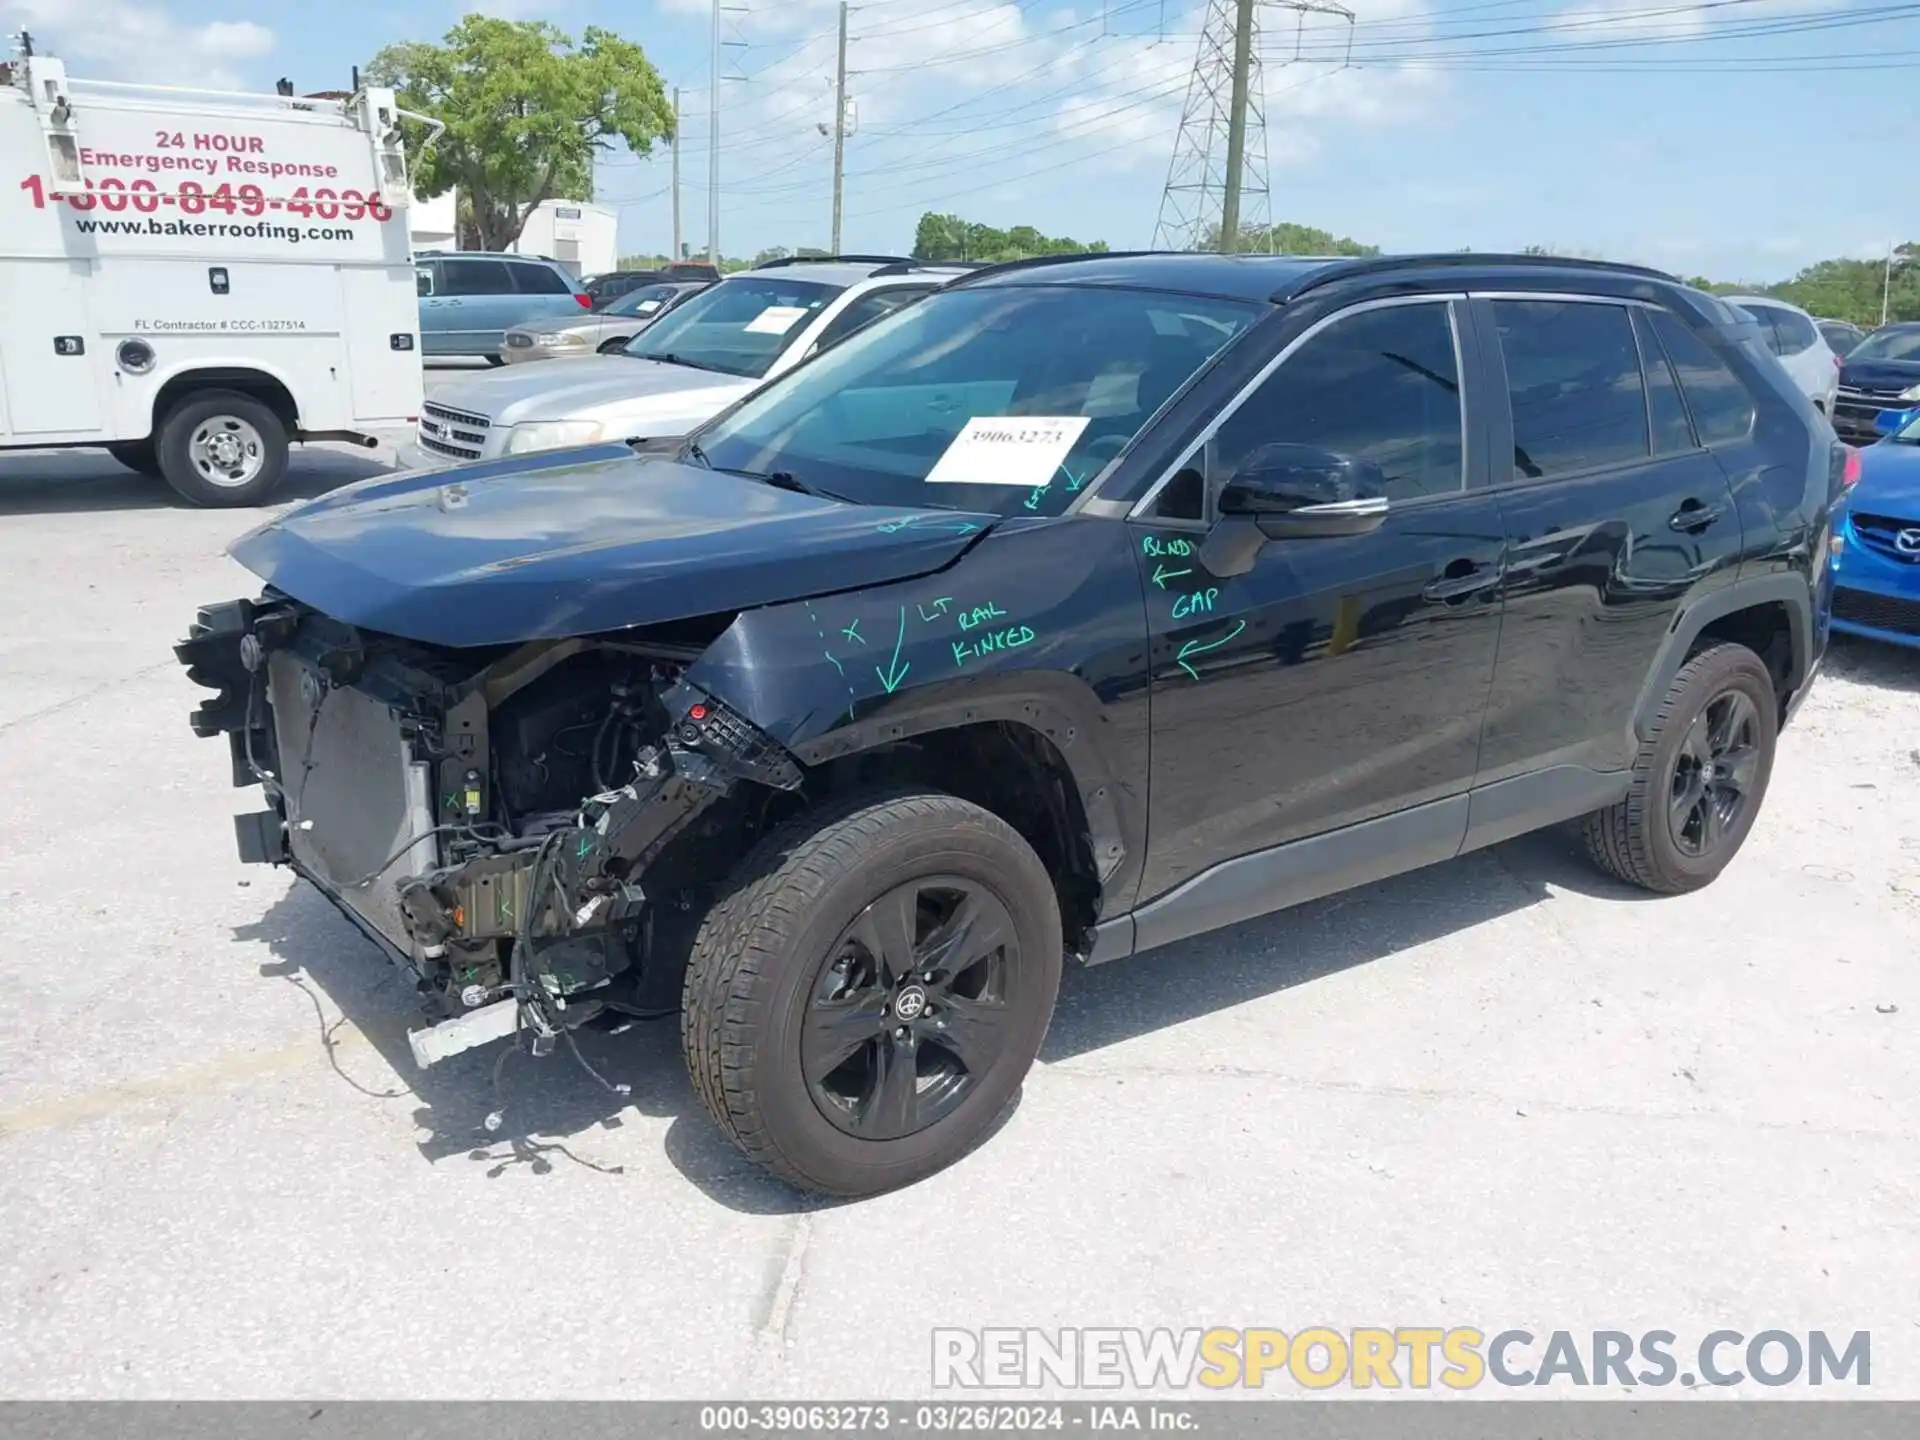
(379, 766)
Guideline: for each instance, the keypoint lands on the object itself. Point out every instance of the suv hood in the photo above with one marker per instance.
(1889, 480)
(1880, 374)
(576, 542)
(608, 388)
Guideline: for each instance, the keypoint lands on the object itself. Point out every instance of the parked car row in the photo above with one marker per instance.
(699, 354)
(1061, 609)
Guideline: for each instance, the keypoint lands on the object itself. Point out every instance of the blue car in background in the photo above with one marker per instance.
(469, 299)
(1876, 566)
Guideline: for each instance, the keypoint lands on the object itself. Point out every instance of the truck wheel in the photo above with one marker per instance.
(1698, 779)
(137, 455)
(863, 1005)
(220, 448)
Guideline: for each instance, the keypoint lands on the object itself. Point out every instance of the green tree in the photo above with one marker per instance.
(1853, 289)
(950, 237)
(1288, 238)
(526, 111)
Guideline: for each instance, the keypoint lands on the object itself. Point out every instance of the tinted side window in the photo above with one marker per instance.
(1382, 385)
(1672, 431)
(1795, 330)
(1573, 376)
(475, 277)
(867, 309)
(539, 280)
(1722, 408)
(1762, 315)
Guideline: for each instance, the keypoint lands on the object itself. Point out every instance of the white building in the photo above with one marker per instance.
(578, 233)
(430, 223)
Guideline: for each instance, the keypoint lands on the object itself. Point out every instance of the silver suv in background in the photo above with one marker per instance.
(1791, 334)
(602, 331)
(679, 372)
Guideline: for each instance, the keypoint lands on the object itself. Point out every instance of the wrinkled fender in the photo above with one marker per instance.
(1041, 624)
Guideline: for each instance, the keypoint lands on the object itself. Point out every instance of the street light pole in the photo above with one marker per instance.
(713, 145)
(1886, 283)
(678, 253)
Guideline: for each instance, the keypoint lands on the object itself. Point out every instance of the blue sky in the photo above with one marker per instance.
(1637, 129)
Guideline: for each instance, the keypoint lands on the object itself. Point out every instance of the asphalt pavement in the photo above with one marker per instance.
(1501, 1092)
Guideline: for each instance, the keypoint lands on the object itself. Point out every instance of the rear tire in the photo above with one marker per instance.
(137, 455)
(792, 971)
(1698, 779)
(220, 448)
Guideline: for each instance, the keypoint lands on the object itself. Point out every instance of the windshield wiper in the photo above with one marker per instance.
(672, 359)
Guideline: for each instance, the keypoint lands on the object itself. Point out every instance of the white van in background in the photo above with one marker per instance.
(195, 280)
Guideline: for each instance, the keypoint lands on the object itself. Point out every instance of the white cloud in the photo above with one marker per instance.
(126, 40)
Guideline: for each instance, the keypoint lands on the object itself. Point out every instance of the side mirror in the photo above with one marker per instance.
(1298, 491)
(1892, 422)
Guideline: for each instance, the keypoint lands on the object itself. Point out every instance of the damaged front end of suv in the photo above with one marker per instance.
(496, 820)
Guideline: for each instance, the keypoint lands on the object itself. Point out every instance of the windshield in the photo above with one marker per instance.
(998, 399)
(739, 327)
(1888, 345)
(643, 301)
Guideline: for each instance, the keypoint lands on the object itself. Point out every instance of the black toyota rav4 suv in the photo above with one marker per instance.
(1085, 606)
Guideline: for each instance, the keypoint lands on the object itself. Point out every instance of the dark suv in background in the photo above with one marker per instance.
(1882, 372)
(1083, 606)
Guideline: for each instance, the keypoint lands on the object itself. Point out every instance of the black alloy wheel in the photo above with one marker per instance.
(1699, 775)
(862, 1004)
(910, 1010)
(1713, 773)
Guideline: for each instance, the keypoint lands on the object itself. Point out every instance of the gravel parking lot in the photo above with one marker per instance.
(1499, 1092)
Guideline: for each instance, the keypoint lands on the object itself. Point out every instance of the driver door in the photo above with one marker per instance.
(1304, 685)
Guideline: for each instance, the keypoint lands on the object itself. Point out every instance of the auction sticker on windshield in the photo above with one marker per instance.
(1023, 450)
(776, 319)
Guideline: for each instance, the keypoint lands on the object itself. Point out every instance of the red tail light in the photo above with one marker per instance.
(1838, 363)
(1850, 469)
(586, 303)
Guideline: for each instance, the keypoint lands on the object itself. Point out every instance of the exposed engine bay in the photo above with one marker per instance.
(526, 828)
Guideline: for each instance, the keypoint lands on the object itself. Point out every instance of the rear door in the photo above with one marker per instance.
(540, 291)
(1616, 515)
(478, 294)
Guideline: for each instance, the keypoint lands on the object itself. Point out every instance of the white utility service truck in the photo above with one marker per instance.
(195, 279)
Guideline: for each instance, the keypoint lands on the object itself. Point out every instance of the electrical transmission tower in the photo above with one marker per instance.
(1217, 181)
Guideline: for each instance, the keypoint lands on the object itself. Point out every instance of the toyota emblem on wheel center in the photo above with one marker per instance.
(910, 1002)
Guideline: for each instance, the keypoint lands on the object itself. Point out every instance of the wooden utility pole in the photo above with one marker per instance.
(678, 253)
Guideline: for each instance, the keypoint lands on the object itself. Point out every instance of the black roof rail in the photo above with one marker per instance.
(1001, 267)
(1376, 264)
(836, 260)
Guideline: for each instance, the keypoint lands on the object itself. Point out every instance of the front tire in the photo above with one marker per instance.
(862, 1007)
(1698, 779)
(220, 448)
